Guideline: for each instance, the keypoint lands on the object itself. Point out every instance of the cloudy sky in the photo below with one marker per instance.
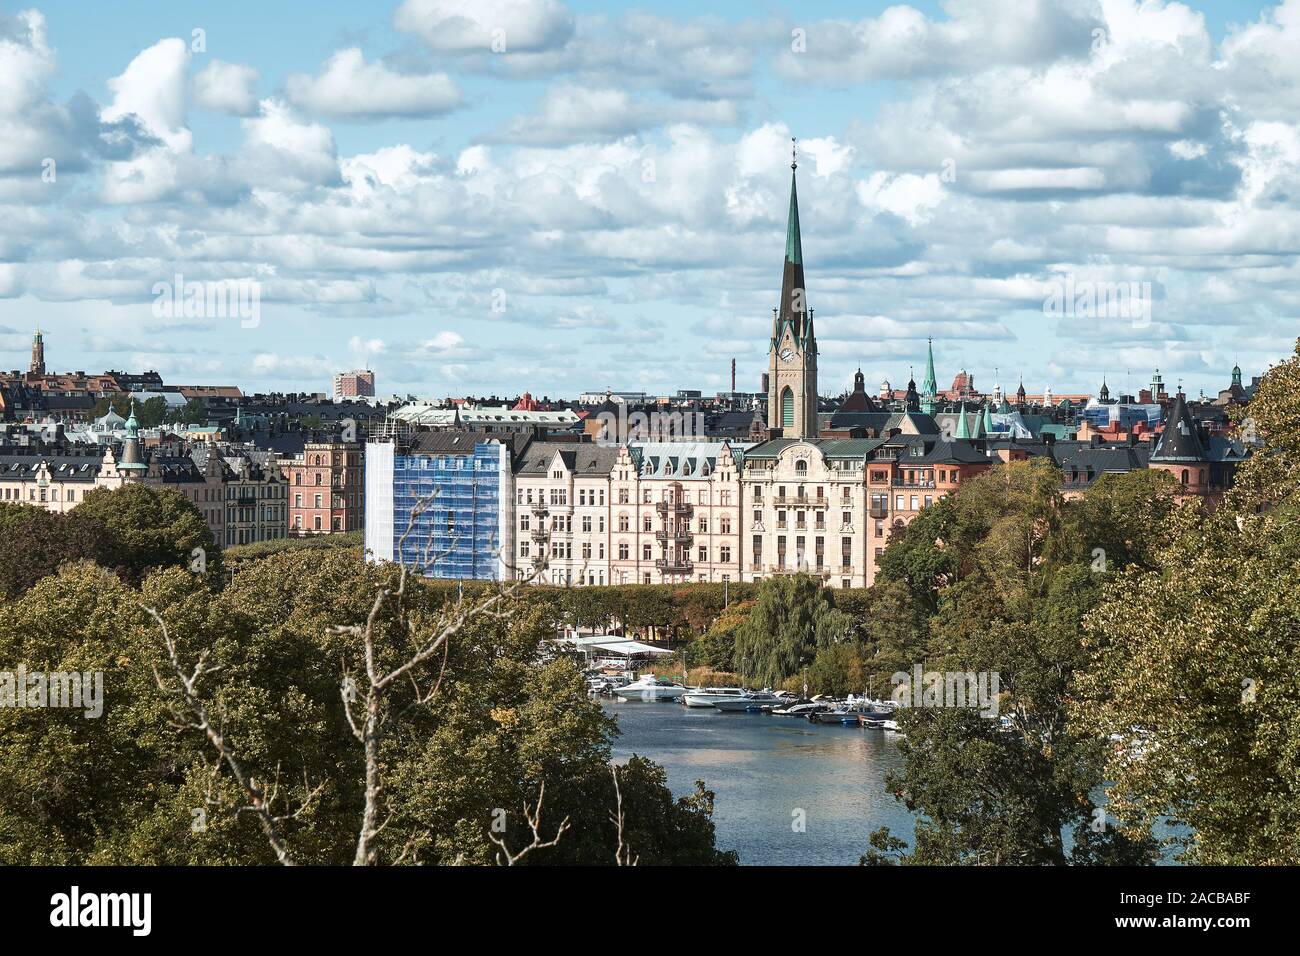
(474, 196)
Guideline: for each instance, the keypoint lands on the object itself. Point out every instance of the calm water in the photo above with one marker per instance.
(764, 768)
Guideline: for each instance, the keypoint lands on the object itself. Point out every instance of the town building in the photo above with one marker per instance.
(442, 503)
(326, 488)
(675, 512)
(354, 384)
(561, 494)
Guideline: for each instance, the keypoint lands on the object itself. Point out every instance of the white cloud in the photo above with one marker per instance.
(463, 26)
(907, 196)
(347, 87)
(26, 61)
(152, 87)
(904, 43)
(226, 88)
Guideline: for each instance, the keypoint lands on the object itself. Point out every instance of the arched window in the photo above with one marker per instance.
(1184, 476)
(801, 467)
(787, 408)
(1200, 477)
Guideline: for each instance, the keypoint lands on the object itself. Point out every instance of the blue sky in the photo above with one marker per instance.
(601, 203)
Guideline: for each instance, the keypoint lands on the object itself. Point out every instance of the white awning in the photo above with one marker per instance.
(612, 644)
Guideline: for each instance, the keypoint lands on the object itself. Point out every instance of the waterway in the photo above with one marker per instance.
(789, 792)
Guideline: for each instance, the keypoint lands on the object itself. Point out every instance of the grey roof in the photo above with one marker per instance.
(579, 458)
(61, 467)
(1082, 463)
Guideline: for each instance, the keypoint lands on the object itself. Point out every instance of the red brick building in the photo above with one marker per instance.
(326, 489)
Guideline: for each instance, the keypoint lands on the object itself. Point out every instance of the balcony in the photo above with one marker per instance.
(879, 511)
(674, 565)
(539, 534)
(801, 501)
(677, 507)
(900, 483)
(821, 572)
(679, 536)
(539, 508)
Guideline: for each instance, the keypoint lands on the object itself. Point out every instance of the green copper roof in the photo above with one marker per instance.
(930, 386)
(963, 430)
(793, 245)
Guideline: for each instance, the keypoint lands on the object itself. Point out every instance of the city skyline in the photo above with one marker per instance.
(585, 210)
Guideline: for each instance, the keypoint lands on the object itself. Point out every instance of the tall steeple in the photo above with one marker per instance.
(963, 430)
(792, 352)
(929, 387)
(38, 353)
(793, 309)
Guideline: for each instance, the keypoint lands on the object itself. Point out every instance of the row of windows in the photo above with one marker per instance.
(39, 494)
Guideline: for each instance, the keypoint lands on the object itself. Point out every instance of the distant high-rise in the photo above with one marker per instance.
(355, 384)
(38, 353)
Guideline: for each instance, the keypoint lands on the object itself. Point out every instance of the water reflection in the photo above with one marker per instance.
(771, 773)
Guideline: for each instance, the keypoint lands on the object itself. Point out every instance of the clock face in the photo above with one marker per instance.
(787, 355)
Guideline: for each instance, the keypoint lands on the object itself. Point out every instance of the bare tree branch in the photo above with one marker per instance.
(534, 820)
(186, 693)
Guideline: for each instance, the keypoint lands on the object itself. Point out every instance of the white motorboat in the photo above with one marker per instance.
(708, 696)
(801, 708)
(650, 687)
(750, 702)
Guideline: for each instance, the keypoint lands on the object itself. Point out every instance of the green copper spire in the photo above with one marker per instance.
(929, 388)
(793, 312)
(963, 430)
(988, 419)
(793, 245)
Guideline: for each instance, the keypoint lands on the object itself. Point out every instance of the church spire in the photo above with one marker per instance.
(930, 387)
(793, 243)
(794, 305)
(792, 354)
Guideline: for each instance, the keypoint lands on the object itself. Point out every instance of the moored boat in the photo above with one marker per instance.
(755, 701)
(650, 687)
(708, 696)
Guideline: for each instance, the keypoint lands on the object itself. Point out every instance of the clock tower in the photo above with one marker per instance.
(792, 352)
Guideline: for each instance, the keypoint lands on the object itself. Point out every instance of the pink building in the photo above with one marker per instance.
(356, 384)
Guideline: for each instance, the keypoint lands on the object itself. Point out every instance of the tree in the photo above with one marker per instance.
(35, 542)
(267, 660)
(152, 527)
(1009, 570)
(1195, 683)
(839, 670)
(794, 615)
